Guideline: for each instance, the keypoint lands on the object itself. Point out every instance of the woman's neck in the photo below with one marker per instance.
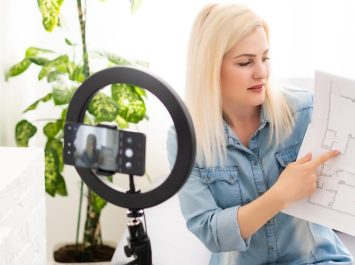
(242, 116)
(244, 123)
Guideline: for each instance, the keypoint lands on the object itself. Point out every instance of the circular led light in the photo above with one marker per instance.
(186, 142)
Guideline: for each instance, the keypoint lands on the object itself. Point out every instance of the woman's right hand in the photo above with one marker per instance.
(299, 179)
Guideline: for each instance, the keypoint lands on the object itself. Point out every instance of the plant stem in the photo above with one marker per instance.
(92, 229)
(79, 214)
(82, 21)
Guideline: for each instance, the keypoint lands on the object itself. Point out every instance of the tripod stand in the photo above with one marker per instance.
(138, 240)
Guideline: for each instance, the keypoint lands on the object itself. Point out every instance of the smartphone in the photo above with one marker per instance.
(104, 149)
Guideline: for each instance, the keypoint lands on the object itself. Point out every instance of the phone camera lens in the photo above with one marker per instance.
(129, 152)
(128, 165)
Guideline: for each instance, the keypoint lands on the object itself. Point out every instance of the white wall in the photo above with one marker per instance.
(22, 212)
(305, 35)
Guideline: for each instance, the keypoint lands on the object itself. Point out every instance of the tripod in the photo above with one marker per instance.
(138, 240)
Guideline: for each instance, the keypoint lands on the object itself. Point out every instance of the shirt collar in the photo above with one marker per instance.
(232, 139)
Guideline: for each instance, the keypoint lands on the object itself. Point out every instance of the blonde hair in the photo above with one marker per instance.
(215, 31)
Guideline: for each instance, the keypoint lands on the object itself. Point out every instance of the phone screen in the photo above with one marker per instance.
(96, 147)
(104, 148)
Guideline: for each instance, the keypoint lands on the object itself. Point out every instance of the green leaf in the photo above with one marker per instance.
(39, 60)
(75, 73)
(51, 129)
(35, 104)
(62, 66)
(140, 91)
(54, 181)
(34, 51)
(71, 67)
(23, 132)
(78, 74)
(57, 147)
(18, 68)
(130, 103)
(64, 114)
(62, 94)
(89, 120)
(59, 63)
(50, 10)
(69, 42)
(51, 171)
(103, 108)
(97, 202)
(135, 4)
(115, 59)
(61, 187)
(121, 122)
(60, 124)
(22, 66)
(61, 121)
(54, 76)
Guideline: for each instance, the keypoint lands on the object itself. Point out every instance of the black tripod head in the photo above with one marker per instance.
(138, 240)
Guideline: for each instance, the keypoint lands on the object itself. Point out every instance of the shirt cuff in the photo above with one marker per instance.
(228, 231)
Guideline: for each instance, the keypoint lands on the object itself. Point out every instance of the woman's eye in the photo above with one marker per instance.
(251, 61)
(244, 64)
(265, 59)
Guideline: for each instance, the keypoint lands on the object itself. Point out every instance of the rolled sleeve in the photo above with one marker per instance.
(228, 231)
(215, 227)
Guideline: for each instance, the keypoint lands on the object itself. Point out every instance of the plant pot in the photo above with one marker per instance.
(68, 252)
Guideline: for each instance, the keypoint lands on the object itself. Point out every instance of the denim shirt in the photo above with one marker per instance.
(211, 197)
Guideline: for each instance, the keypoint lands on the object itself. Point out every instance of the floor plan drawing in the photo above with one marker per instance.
(338, 135)
(332, 127)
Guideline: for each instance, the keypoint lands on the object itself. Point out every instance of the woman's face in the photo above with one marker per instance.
(91, 143)
(244, 72)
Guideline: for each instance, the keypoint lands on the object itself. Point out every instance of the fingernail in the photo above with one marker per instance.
(337, 152)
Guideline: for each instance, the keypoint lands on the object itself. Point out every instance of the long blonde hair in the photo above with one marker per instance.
(215, 31)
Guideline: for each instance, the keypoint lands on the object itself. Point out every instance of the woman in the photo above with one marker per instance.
(248, 138)
(90, 157)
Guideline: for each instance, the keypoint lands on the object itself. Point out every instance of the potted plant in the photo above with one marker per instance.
(123, 105)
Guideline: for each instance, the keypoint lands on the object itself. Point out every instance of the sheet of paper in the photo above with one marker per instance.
(332, 127)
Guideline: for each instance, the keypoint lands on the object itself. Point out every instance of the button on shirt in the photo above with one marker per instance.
(211, 197)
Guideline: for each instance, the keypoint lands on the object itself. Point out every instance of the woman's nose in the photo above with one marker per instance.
(261, 70)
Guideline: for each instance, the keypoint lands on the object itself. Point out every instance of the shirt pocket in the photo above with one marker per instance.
(287, 155)
(224, 184)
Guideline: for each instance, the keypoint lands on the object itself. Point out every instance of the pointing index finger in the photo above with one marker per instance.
(323, 158)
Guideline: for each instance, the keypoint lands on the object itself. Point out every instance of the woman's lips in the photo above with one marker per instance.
(257, 88)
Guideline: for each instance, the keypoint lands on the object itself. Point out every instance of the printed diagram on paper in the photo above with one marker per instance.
(335, 184)
(332, 127)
